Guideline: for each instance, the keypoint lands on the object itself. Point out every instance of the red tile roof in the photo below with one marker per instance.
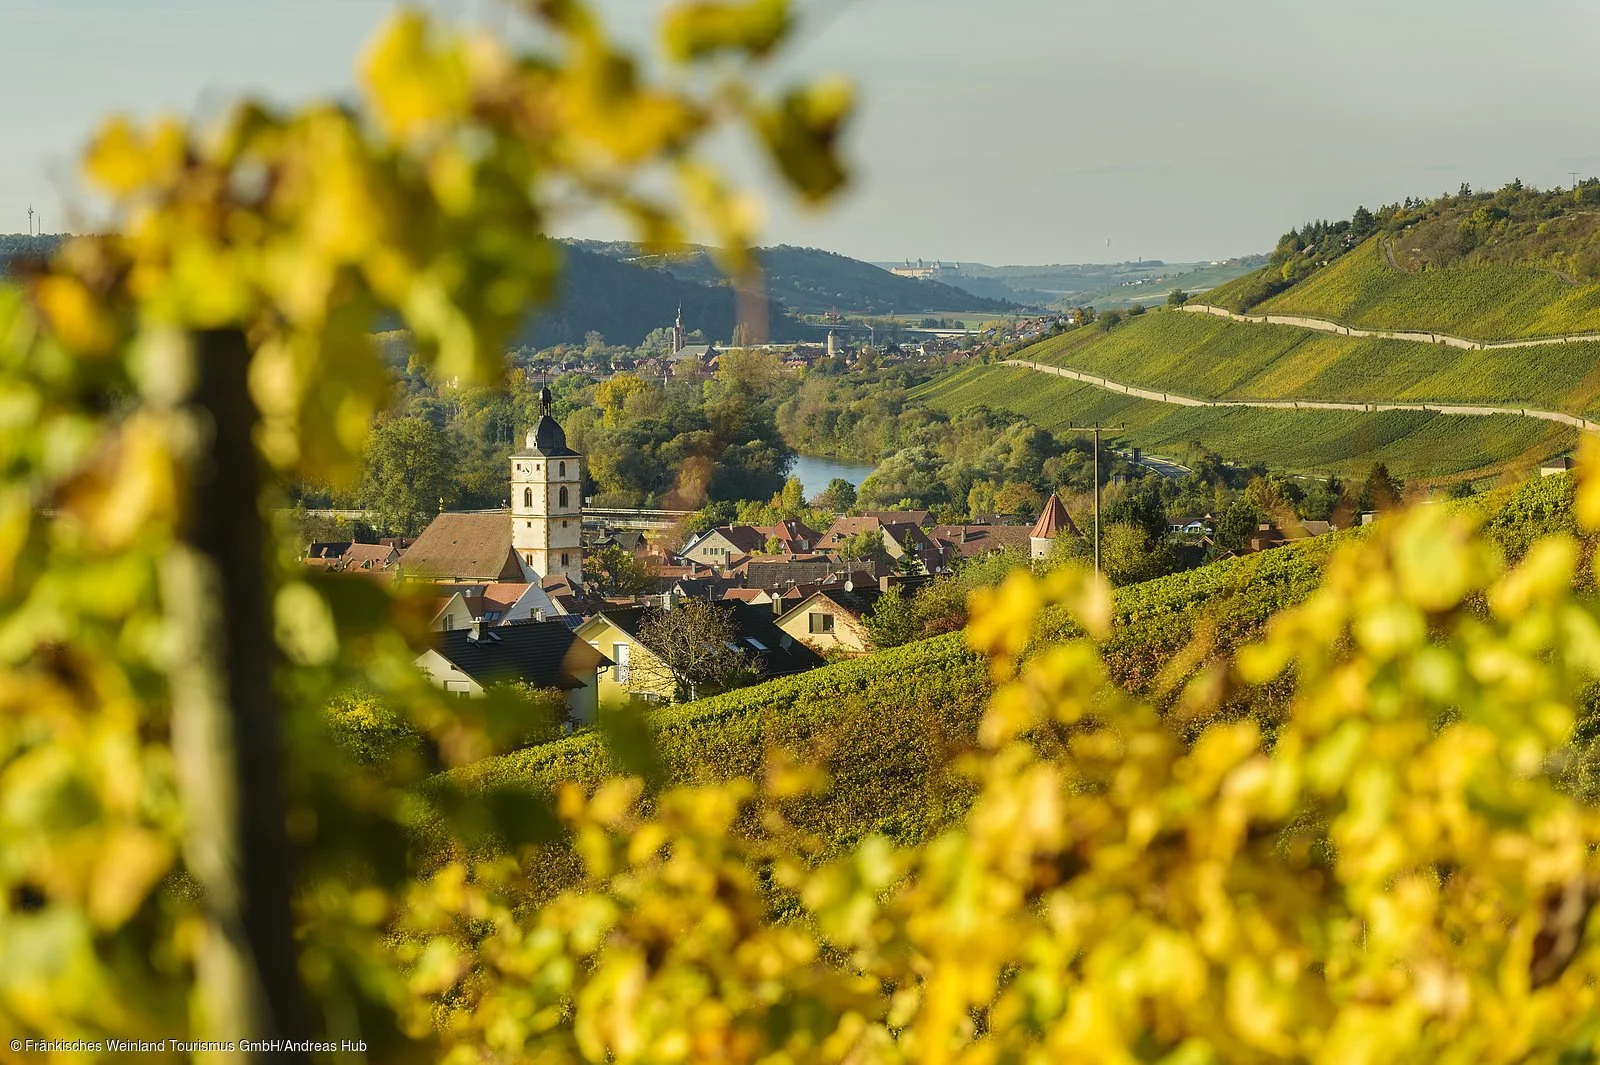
(1054, 521)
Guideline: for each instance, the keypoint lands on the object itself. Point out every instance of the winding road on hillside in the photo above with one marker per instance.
(1302, 404)
(1324, 325)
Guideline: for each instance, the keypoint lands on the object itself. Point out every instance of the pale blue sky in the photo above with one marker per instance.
(1005, 131)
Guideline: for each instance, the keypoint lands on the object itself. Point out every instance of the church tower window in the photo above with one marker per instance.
(563, 471)
(563, 495)
(527, 498)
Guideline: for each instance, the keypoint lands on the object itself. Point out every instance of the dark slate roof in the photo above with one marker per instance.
(630, 540)
(547, 440)
(328, 549)
(771, 573)
(859, 602)
(546, 654)
(758, 634)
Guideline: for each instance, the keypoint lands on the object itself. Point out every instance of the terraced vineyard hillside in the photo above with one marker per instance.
(1414, 444)
(1213, 358)
(1487, 302)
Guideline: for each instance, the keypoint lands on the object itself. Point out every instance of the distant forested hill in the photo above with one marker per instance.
(811, 281)
(1100, 285)
(22, 246)
(596, 292)
(625, 302)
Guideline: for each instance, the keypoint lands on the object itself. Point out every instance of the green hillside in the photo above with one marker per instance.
(1414, 444)
(1515, 263)
(1479, 302)
(1212, 358)
(888, 728)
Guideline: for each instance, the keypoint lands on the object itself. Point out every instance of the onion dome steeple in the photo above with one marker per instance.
(547, 437)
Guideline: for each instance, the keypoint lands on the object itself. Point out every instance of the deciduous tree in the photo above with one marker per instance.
(408, 474)
(695, 644)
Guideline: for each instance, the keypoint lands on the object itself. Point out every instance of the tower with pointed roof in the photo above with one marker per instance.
(1052, 523)
(547, 500)
(678, 339)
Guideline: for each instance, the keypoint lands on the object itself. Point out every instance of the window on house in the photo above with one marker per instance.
(449, 623)
(564, 560)
(463, 694)
(619, 655)
(819, 622)
(563, 495)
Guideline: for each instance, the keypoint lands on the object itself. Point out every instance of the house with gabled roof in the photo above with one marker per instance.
(974, 541)
(325, 554)
(546, 654)
(640, 673)
(724, 544)
(792, 537)
(833, 619)
(495, 604)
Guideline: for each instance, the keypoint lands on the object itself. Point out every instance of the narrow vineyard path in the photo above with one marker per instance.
(1324, 325)
(1189, 401)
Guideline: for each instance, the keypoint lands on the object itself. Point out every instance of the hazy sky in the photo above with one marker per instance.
(1003, 131)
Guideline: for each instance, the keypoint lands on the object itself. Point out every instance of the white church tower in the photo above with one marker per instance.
(547, 500)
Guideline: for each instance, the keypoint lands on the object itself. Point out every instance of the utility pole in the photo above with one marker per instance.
(1096, 430)
(1574, 174)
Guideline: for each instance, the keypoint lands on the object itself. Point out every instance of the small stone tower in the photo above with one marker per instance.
(678, 339)
(547, 500)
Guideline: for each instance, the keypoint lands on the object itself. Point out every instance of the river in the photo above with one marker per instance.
(815, 472)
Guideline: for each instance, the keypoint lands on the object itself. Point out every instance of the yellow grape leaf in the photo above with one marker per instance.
(131, 860)
(801, 132)
(76, 316)
(121, 159)
(694, 31)
(410, 82)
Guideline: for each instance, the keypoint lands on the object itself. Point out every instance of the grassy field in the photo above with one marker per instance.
(1413, 444)
(1212, 358)
(1480, 302)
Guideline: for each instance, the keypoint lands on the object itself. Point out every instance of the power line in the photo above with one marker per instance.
(1096, 430)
